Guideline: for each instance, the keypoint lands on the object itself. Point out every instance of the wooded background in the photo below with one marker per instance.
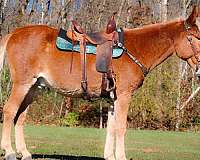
(169, 98)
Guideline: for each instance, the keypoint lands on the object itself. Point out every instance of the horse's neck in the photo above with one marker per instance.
(153, 44)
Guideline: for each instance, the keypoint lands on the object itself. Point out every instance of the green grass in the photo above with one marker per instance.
(140, 145)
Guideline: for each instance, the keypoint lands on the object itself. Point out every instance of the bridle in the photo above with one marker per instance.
(187, 27)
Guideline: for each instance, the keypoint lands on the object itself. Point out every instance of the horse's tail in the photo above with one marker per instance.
(3, 44)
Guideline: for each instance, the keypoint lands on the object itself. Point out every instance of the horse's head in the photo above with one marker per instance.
(187, 45)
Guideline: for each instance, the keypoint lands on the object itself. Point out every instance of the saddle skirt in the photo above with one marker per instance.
(65, 44)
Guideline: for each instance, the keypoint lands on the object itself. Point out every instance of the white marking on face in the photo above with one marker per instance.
(198, 22)
(198, 72)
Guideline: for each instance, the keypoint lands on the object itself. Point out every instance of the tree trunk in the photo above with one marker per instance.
(164, 10)
(1, 17)
(163, 18)
(101, 13)
(3, 8)
(127, 25)
(43, 12)
(182, 71)
(120, 11)
(66, 107)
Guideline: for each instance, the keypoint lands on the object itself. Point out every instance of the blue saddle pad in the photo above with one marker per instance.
(66, 45)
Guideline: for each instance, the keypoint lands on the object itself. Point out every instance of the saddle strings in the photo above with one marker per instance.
(72, 55)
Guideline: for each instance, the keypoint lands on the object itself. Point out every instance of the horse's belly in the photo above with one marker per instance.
(79, 93)
(71, 85)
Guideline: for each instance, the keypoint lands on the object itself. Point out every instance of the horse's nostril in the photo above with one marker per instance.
(198, 73)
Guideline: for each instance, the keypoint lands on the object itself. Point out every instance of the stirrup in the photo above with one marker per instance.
(110, 88)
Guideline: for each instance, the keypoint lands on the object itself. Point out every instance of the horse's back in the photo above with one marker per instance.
(26, 47)
(29, 28)
(34, 33)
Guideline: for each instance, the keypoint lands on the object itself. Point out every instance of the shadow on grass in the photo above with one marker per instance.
(64, 157)
(56, 157)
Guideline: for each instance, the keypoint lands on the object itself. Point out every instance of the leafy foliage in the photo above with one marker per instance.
(71, 120)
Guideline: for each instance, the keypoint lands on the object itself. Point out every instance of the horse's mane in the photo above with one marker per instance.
(153, 27)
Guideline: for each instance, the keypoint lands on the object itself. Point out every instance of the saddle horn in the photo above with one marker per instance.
(77, 28)
(111, 26)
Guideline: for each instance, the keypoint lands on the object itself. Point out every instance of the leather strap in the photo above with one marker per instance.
(120, 32)
(134, 59)
(83, 65)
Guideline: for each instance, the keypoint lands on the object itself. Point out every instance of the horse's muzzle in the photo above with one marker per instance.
(198, 71)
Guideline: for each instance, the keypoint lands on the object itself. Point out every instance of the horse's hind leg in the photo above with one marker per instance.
(19, 123)
(19, 137)
(10, 109)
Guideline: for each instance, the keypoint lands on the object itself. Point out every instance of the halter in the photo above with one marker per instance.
(133, 58)
(189, 38)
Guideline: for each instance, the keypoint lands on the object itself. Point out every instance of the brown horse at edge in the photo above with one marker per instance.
(31, 53)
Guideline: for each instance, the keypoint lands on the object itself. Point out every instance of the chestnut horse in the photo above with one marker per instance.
(32, 54)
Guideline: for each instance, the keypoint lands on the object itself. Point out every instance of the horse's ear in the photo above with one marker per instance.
(195, 13)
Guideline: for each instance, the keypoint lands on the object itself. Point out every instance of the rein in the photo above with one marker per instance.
(133, 58)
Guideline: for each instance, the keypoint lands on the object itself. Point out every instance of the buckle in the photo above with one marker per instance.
(187, 25)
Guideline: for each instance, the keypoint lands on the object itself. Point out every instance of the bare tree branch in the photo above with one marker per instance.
(190, 98)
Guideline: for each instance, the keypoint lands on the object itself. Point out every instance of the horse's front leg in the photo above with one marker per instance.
(116, 128)
(121, 111)
(110, 137)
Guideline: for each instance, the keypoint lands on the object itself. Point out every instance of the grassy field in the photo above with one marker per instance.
(50, 141)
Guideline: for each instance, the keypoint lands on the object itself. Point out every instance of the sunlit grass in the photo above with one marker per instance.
(140, 144)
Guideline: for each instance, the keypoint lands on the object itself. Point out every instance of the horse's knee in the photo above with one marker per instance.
(111, 129)
(8, 112)
(120, 131)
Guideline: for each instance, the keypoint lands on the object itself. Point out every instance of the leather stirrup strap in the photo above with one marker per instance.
(72, 54)
(83, 65)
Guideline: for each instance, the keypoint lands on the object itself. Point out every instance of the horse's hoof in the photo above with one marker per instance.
(11, 156)
(27, 158)
(110, 158)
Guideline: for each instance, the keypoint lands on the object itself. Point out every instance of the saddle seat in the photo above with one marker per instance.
(95, 38)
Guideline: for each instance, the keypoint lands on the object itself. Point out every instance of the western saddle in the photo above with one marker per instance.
(104, 42)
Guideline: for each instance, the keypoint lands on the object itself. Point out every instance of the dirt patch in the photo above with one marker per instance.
(145, 150)
(150, 150)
